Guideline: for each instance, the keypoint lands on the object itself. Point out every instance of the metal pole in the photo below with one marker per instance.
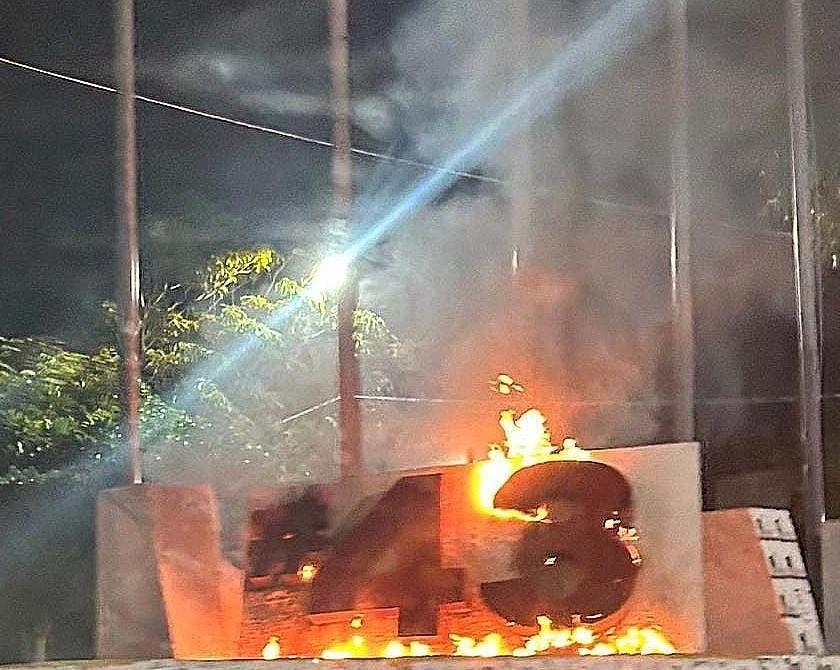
(805, 265)
(522, 310)
(521, 193)
(342, 175)
(126, 200)
(682, 308)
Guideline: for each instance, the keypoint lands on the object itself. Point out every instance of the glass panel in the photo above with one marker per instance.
(742, 263)
(241, 362)
(824, 73)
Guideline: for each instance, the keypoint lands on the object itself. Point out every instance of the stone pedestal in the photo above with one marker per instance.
(758, 600)
(130, 619)
(163, 586)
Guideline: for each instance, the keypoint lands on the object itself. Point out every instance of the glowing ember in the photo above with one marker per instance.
(505, 385)
(416, 648)
(271, 651)
(396, 649)
(306, 572)
(490, 645)
(632, 641)
(355, 647)
(580, 640)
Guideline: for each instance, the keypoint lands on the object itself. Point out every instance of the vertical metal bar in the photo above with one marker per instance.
(523, 311)
(126, 200)
(522, 188)
(682, 308)
(342, 175)
(805, 265)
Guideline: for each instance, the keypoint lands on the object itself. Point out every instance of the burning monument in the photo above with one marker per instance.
(536, 548)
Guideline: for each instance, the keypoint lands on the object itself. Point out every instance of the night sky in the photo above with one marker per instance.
(264, 62)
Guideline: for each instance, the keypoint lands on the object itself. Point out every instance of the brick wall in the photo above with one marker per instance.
(277, 611)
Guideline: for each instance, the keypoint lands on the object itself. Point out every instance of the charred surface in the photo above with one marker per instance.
(573, 567)
(280, 536)
(391, 558)
(593, 487)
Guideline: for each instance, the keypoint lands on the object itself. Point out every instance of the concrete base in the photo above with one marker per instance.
(181, 598)
(163, 586)
(741, 605)
(758, 599)
(130, 621)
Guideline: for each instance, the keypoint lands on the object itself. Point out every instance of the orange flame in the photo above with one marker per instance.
(306, 572)
(582, 640)
(527, 442)
(271, 651)
(490, 645)
(355, 647)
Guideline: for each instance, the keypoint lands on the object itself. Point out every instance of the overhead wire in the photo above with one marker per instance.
(366, 153)
(297, 137)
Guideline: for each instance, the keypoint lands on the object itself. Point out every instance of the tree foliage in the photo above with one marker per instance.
(56, 406)
(238, 385)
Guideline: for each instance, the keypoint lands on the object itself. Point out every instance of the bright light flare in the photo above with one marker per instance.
(329, 276)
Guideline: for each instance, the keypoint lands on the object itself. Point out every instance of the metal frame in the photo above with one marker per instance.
(806, 285)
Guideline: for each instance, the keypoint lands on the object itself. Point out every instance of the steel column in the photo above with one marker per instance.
(682, 309)
(805, 264)
(349, 382)
(126, 203)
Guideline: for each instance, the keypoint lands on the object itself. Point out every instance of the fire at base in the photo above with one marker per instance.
(581, 640)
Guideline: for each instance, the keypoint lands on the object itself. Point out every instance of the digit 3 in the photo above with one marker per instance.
(573, 565)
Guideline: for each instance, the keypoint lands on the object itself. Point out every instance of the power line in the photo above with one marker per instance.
(732, 401)
(365, 153)
(309, 410)
(247, 124)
